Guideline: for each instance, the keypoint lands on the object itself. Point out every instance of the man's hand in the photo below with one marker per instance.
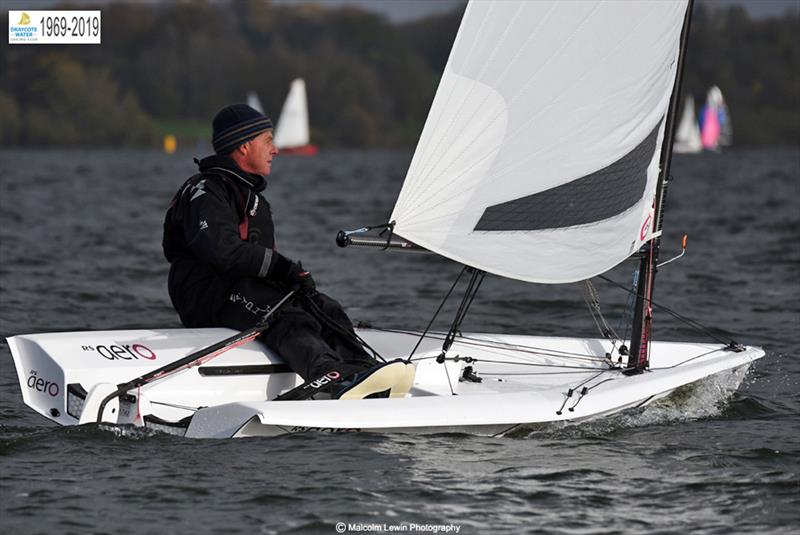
(292, 274)
(302, 279)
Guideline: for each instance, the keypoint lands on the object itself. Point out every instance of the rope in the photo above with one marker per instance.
(532, 364)
(436, 314)
(461, 313)
(352, 337)
(449, 382)
(681, 363)
(479, 342)
(688, 321)
(592, 299)
(175, 405)
(539, 365)
(626, 319)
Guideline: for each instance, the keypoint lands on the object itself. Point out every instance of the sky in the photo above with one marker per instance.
(406, 10)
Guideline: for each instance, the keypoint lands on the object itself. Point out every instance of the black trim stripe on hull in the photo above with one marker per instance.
(249, 369)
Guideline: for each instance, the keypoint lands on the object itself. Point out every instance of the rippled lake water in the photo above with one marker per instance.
(80, 249)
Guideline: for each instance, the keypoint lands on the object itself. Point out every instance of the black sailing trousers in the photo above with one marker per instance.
(311, 343)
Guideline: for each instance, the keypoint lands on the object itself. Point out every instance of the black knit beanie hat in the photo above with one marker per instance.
(235, 125)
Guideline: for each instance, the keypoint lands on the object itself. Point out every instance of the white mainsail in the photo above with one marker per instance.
(687, 136)
(540, 155)
(292, 128)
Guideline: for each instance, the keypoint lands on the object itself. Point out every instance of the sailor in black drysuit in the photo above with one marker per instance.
(225, 270)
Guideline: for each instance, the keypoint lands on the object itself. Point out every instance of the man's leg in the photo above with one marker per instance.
(296, 337)
(249, 300)
(345, 343)
(294, 334)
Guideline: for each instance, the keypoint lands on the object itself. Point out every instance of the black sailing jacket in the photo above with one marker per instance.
(218, 229)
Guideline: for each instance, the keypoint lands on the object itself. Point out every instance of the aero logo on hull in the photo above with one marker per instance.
(42, 385)
(122, 352)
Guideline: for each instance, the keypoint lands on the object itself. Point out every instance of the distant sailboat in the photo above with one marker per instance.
(292, 132)
(715, 123)
(725, 128)
(687, 137)
(254, 102)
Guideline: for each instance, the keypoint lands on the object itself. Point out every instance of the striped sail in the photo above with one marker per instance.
(540, 155)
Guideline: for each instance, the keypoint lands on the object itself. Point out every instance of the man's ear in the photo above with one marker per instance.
(242, 149)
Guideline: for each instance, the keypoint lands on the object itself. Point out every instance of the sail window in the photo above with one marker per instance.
(594, 197)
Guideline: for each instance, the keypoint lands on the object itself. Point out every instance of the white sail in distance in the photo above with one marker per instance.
(292, 128)
(725, 127)
(254, 102)
(687, 136)
(540, 155)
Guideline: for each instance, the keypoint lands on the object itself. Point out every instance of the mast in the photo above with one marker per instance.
(638, 358)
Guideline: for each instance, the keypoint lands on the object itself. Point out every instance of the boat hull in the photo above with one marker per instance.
(303, 150)
(523, 380)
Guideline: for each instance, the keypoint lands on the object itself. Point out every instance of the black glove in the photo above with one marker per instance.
(302, 279)
(284, 270)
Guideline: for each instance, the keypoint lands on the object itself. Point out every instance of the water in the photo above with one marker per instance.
(80, 249)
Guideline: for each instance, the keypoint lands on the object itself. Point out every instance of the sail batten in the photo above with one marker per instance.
(534, 97)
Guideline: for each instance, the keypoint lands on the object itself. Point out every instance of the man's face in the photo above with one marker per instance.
(260, 151)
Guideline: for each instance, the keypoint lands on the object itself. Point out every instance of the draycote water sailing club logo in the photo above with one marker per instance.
(22, 31)
(54, 27)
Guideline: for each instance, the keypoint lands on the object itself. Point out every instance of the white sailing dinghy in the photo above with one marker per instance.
(254, 102)
(292, 134)
(542, 159)
(687, 137)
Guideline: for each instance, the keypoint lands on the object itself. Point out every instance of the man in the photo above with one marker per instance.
(226, 272)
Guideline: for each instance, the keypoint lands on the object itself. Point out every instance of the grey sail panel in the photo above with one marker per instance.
(594, 197)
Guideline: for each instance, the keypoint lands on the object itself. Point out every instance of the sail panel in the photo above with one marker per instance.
(590, 199)
(535, 96)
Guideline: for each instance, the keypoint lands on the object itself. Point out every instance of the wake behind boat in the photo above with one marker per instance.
(544, 158)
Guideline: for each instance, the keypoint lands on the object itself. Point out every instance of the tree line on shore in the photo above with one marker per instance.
(168, 67)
